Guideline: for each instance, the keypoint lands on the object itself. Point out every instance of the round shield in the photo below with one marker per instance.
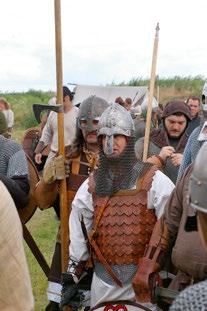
(122, 305)
(26, 213)
(30, 141)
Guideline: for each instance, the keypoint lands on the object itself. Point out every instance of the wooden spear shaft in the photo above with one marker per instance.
(64, 211)
(151, 94)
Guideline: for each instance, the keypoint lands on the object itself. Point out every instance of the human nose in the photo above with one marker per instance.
(176, 126)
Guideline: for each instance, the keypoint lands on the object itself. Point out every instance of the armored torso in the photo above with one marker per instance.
(125, 225)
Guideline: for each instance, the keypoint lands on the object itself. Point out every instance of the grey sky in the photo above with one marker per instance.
(103, 41)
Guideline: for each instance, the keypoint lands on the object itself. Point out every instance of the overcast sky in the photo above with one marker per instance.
(102, 41)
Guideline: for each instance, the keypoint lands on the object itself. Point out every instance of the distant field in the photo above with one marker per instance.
(166, 89)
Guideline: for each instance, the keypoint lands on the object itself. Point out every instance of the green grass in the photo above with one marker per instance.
(43, 226)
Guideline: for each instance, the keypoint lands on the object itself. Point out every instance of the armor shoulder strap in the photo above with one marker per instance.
(75, 165)
(148, 178)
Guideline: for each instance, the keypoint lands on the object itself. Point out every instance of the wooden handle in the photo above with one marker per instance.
(151, 95)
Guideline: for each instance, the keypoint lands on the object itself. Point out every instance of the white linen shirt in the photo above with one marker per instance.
(82, 208)
(50, 131)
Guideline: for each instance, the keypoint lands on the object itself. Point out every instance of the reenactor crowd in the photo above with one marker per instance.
(137, 229)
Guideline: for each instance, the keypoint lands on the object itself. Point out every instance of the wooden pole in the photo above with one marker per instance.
(158, 94)
(151, 94)
(64, 211)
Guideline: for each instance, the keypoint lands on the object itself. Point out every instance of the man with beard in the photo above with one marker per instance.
(118, 205)
(167, 143)
(83, 157)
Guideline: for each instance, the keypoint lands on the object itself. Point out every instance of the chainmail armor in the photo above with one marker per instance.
(119, 173)
(125, 273)
(193, 298)
(12, 158)
(190, 152)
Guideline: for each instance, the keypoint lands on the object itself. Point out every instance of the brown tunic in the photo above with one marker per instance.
(188, 254)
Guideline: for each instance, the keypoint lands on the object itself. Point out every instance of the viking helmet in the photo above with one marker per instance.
(90, 112)
(115, 120)
(198, 182)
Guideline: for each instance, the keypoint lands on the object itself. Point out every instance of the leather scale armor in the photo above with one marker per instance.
(126, 224)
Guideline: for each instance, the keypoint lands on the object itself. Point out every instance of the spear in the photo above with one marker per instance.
(64, 211)
(151, 94)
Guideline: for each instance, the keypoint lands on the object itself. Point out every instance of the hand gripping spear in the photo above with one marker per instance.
(64, 210)
(151, 94)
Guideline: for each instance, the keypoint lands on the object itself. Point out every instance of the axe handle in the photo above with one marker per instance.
(64, 209)
(35, 250)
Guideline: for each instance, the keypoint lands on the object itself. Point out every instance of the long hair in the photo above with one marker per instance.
(5, 102)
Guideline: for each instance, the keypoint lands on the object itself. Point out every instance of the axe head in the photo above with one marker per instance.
(38, 108)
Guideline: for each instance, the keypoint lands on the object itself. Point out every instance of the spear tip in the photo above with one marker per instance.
(158, 27)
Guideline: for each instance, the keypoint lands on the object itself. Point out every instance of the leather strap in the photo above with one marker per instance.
(35, 250)
(75, 166)
(105, 263)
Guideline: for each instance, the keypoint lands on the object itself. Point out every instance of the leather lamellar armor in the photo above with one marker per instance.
(126, 224)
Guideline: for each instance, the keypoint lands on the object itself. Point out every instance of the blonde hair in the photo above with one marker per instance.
(5, 102)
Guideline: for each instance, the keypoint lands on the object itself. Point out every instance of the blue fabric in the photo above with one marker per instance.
(191, 150)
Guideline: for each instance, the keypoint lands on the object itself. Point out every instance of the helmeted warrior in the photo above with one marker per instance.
(168, 142)
(196, 139)
(83, 157)
(119, 205)
(194, 298)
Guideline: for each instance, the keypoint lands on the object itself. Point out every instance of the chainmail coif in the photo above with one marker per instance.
(118, 173)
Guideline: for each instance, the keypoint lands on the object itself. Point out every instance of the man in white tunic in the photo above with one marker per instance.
(50, 131)
(119, 206)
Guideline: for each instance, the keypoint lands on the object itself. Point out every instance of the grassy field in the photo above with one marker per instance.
(43, 226)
